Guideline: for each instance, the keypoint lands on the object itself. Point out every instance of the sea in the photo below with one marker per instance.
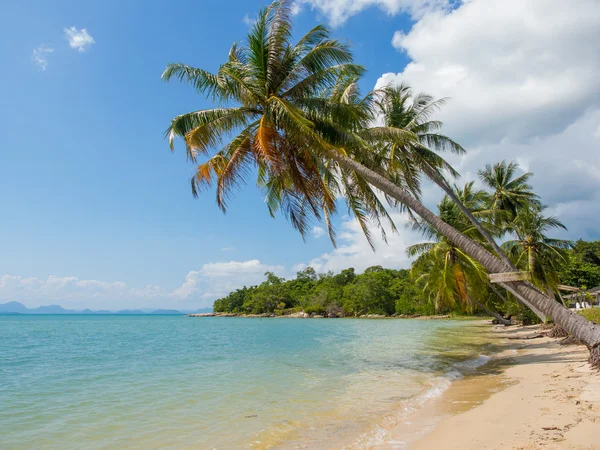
(106, 382)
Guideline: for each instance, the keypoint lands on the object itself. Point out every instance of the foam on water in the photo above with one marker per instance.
(382, 432)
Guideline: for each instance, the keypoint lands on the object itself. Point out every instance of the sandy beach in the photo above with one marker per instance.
(535, 393)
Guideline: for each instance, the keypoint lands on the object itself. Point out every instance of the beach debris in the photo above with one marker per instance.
(533, 336)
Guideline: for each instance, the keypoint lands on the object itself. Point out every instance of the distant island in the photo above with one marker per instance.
(16, 308)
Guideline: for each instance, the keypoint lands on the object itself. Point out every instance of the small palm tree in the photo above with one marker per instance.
(450, 276)
(533, 250)
(508, 193)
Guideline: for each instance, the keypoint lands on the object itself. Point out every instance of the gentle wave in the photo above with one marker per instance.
(382, 432)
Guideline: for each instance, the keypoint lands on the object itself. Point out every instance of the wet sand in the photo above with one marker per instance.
(532, 394)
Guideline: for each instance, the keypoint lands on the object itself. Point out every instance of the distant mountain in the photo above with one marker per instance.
(52, 309)
(167, 311)
(19, 308)
(14, 307)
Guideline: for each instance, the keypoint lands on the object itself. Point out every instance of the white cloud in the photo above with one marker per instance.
(339, 11)
(40, 56)
(523, 84)
(199, 288)
(215, 280)
(72, 292)
(228, 249)
(249, 21)
(513, 69)
(296, 8)
(354, 251)
(80, 40)
(318, 232)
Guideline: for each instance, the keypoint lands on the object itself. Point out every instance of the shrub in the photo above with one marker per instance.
(592, 314)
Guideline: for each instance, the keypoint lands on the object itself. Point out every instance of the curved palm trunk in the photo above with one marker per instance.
(496, 315)
(530, 260)
(536, 311)
(578, 326)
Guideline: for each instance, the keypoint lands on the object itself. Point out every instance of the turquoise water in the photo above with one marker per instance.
(177, 382)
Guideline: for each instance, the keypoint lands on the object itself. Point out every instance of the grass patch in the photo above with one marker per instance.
(592, 314)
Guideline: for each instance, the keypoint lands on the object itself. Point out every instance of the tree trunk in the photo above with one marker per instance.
(535, 310)
(443, 184)
(530, 260)
(578, 326)
(494, 314)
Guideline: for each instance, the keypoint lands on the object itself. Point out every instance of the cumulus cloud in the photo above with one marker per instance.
(339, 11)
(80, 40)
(296, 8)
(523, 85)
(354, 251)
(248, 21)
(514, 70)
(199, 288)
(72, 292)
(216, 280)
(318, 232)
(40, 56)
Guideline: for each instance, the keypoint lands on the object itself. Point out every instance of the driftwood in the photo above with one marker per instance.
(533, 336)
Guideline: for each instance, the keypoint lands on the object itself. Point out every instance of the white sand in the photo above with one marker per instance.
(549, 399)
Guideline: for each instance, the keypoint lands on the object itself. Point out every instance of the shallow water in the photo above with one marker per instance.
(170, 381)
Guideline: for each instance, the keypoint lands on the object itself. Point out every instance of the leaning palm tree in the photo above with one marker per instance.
(399, 109)
(534, 251)
(278, 119)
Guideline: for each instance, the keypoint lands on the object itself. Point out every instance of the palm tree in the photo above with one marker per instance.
(400, 110)
(277, 116)
(534, 251)
(508, 193)
(450, 275)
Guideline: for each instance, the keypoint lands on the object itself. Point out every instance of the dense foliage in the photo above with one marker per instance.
(592, 314)
(583, 266)
(376, 291)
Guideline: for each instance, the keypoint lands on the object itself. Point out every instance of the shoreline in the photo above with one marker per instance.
(531, 394)
(303, 315)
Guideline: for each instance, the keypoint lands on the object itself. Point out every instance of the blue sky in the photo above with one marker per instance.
(97, 212)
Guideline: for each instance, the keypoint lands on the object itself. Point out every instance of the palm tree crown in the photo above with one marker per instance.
(533, 250)
(508, 193)
(283, 107)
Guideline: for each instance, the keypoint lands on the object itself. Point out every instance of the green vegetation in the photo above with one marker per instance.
(292, 114)
(376, 291)
(583, 265)
(593, 315)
